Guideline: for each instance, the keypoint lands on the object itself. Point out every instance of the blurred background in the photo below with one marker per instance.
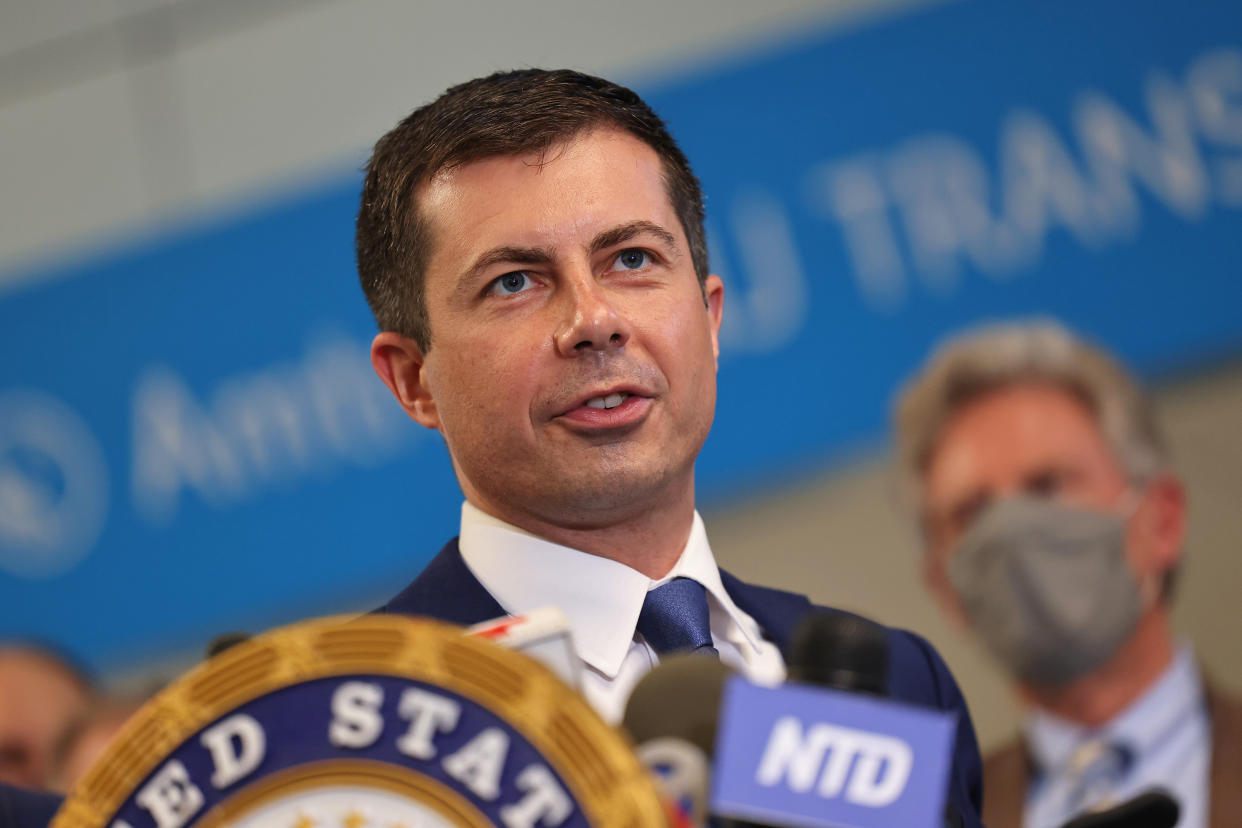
(191, 437)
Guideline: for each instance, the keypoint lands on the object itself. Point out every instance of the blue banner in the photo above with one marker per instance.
(191, 439)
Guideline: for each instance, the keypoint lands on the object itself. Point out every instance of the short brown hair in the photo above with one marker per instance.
(507, 113)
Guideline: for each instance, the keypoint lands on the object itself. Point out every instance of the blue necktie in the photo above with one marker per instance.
(674, 618)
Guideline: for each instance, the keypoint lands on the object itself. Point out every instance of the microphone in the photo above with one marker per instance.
(225, 641)
(828, 747)
(840, 652)
(671, 716)
(542, 634)
(845, 652)
(1154, 809)
(796, 754)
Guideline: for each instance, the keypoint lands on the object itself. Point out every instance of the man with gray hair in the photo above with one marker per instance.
(1053, 528)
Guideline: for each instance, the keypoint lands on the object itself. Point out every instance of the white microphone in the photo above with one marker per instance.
(542, 635)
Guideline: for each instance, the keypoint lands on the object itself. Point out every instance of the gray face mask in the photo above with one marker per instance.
(1047, 587)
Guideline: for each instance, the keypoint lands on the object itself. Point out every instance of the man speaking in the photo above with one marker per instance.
(532, 246)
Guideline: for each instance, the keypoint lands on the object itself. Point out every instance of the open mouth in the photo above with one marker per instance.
(610, 401)
(616, 409)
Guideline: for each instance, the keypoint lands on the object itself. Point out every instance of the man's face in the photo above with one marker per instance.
(1036, 439)
(38, 700)
(572, 369)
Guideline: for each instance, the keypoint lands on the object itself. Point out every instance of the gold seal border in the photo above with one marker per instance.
(361, 772)
(594, 759)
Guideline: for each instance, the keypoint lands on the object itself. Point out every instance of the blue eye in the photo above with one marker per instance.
(511, 283)
(632, 259)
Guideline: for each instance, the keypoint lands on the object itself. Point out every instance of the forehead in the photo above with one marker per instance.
(22, 669)
(997, 439)
(550, 198)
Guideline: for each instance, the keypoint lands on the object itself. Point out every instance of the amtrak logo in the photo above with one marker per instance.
(53, 486)
(379, 722)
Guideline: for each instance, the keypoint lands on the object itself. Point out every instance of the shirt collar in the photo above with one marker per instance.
(1151, 718)
(600, 597)
(698, 563)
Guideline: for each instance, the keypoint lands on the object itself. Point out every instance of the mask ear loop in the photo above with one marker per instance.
(1148, 586)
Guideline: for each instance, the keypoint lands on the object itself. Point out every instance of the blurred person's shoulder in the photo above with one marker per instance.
(1006, 773)
(22, 808)
(1008, 769)
(1225, 710)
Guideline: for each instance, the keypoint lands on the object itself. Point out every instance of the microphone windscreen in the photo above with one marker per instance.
(679, 698)
(671, 716)
(542, 634)
(1154, 809)
(840, 651)
(224, 641)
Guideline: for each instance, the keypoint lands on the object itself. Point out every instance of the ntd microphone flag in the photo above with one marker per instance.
(806, 756)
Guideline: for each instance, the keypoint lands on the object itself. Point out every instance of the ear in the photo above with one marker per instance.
(1161, 524)
(936, 580)
(400, 363)
(713, 293)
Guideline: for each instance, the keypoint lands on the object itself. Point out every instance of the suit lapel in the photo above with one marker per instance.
(1008, 772)
(1225, 799)
(447, 589)
(777, 612)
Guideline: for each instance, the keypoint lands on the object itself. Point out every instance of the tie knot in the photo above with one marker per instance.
(674, 618)
(1097, 769)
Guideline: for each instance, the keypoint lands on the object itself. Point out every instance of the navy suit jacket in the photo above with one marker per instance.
(20, 808)
(448, 590)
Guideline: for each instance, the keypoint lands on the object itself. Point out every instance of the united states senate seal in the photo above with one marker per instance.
(375, 722)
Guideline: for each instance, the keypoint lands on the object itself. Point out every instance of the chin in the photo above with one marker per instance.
(607, 493)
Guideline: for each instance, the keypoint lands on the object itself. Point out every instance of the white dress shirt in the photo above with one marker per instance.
(602, 599)
(1166, 732)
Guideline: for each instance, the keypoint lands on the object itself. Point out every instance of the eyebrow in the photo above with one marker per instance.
(542, 255)
(625, 232)
(497, 255)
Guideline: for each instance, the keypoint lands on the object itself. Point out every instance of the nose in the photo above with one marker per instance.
(592, 322)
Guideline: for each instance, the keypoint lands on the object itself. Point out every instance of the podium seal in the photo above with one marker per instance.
(377, 722)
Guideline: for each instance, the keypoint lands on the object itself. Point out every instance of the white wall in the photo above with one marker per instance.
(119, 116)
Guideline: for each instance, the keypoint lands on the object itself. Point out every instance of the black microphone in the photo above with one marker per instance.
(841, 652)
(837, 651)
(674, 710)
(1154, 809)
(225, 641)
(845, 652)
